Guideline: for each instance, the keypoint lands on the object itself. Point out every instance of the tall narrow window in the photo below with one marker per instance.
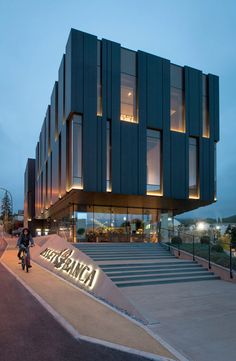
(177, 109)
(153, 162)
(128, 106)
(205, 114)
(99, 80)
(108, 170)
(76, 152)
(193, 168)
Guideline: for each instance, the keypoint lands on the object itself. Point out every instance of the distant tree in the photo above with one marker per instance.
(6, 208)
(233, 236)
(228, 229)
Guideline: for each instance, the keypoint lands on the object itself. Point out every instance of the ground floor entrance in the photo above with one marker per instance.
(84, 223)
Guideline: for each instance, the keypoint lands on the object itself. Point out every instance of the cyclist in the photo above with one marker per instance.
(24, 241)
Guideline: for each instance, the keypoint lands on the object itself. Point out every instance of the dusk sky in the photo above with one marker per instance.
(33, 35)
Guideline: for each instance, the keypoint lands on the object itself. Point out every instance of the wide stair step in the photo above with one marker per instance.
(154, 264)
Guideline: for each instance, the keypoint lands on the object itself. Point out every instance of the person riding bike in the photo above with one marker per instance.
(24, 241)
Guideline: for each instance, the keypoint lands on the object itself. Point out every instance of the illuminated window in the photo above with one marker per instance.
(177, 110)
(193, 168)
(153, 162)
(108, 170)
(128, 106)
(99, 80)
(75, 155)
(205, 114)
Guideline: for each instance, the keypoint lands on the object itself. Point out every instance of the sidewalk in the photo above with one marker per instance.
(88, 316)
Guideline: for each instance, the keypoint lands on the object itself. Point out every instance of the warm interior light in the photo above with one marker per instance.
(156, 194)
(79, 187)
(193, 197)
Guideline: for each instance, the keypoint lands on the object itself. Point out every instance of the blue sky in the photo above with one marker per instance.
(33, 35)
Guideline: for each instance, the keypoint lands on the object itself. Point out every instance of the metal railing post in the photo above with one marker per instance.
(230, 261)
(179, 250)
(193, 249)
(209, 255)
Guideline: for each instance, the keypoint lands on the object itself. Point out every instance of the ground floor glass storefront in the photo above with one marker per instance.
(109, 224)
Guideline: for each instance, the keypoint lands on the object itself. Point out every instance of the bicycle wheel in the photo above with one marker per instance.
(27, 264)
(23, 262)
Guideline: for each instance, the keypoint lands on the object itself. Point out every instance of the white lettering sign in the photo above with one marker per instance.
(62, 260)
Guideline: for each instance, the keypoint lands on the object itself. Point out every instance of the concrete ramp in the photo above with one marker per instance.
(66, 261)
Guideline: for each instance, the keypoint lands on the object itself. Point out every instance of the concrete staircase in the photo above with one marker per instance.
(140, 264)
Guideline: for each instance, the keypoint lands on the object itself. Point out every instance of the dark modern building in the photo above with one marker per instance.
(128, 139)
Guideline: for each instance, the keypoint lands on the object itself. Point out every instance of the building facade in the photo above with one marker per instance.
(128, 139)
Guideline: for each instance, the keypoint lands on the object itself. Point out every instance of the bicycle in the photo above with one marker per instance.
(25, 260)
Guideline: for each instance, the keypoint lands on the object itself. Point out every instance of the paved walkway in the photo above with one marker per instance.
(198, 319)
(89, 317)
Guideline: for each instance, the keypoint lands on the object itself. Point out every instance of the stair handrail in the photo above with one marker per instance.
(232, 248)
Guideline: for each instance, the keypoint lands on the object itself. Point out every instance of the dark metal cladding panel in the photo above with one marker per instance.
(44, 186)
(193, 101)
(90, 114)
(103, 154)
(61, 94)
(49, 181)
(64, 166)
(166, 134)
(104, 70)
(212, 172)
(213, 82)
(74, 73)
(142, 116)
(99, 154)
(178, 165)
(44, 142)
(48, 129)
(107, 68)
(54, 114)
(217, 110)
(129, 158)
(55, 172)
(115, 116)
(204, 168)
(102, 121)
(154, 92)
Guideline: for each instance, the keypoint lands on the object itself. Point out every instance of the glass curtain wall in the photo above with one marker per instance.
(115, 224)
(177, 108)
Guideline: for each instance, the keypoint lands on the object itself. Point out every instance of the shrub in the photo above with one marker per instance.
(217, 248)
(176, 240)
(80, 231)
(205, 240)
